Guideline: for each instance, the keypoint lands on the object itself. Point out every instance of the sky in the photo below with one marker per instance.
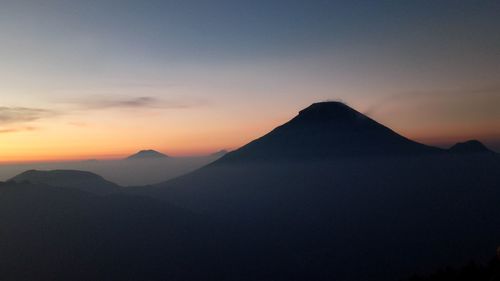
(103, 79)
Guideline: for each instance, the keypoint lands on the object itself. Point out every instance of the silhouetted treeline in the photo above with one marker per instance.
(470, 272)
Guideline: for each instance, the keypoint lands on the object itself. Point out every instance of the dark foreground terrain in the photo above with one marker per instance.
(330, 195)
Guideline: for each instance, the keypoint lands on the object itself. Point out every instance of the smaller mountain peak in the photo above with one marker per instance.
(470, 146)
(147, 154)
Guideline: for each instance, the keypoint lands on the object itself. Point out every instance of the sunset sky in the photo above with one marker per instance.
(104, 78)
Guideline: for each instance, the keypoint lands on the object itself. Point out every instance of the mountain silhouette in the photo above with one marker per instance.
(147, 154)
(54, 233)
(325, 130)
(348, 198)
(81, 180)
(330, 195)
(470, 147)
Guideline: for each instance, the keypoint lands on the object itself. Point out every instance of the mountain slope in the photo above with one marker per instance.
(325, 130)
(348, 198)
(81, 180)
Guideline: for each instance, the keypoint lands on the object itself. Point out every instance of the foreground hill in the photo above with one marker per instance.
(135, 172)
(349, 198)
(472, 271)
(53, 233)
(81, 180)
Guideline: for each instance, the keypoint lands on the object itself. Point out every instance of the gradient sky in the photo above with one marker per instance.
(98, 79)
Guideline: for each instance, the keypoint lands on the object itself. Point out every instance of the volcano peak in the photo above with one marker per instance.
(329, 111)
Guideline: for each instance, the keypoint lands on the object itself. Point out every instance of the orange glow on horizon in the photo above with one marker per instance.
(49, 148)
(109, 138)
(108, 151)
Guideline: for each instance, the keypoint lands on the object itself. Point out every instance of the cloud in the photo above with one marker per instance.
(12, 119)
(384, 101)
(8, 130)
(140, 102)
(487, 93)
(131, 103)
(15, 115)
(15, 130)
(78, 124)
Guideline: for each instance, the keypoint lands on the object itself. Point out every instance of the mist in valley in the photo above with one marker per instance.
(125, 172)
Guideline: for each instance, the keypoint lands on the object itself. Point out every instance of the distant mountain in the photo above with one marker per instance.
(81, 180)
(348, 199)
(470, 147)
(147, 154)
(327, 130)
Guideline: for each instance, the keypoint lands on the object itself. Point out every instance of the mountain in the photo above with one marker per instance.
(53, 233)
(81, 180)
(327, 130)
(348, 199)
(147, 154)
(330, 195)
(470, 147)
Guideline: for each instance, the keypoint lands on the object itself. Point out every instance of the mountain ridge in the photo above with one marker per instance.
(328, 130)
(71, 179)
